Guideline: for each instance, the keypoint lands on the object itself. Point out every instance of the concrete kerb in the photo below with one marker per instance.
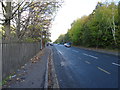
(55, 80)
(54, 76)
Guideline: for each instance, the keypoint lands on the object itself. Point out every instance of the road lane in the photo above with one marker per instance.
(104, 60)
(90, 55)
(84, 71)
(75, 51)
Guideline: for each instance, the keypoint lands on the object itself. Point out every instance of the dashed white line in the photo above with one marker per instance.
(103, 70)
(85, 54)
(90, 55)
(87, 62)
(93, 56)
(116, 64)
(75, 51)
(60, 52)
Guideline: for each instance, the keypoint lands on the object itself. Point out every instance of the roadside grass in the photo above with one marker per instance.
(3, 82)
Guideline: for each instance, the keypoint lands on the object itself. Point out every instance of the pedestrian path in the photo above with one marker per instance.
(32, 74)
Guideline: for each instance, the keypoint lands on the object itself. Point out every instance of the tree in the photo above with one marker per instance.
(118, 40)
(28, 19)
(7, 14)
(100, 29)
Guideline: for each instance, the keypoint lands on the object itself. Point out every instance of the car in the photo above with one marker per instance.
(51, 44)
(67, 45)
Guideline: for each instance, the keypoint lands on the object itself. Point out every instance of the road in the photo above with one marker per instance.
(79, 68)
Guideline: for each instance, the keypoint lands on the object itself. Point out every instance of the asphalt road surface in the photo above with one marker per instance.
(79, 68)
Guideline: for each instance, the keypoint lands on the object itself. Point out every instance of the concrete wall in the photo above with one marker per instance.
(15, 55)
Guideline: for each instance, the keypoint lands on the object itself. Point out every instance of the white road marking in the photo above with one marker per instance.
(116, 64)
(87, 62)
(75, 51)
(93, 56)
(103, 70)
(60, 52)
(90, 55)
(62, 63)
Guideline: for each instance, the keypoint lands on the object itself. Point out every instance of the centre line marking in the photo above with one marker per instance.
(60, 52)
(103, 70)
(87, 62)
(116, 64)
(90, 55)
(75, 51)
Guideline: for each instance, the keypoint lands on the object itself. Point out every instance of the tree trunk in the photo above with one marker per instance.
(113, 31)
(7, 21)
(18, 24)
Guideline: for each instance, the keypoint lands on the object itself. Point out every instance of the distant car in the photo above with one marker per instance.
(67, 45)
(47, 44)
(51, 44)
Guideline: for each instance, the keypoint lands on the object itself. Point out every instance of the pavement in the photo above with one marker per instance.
(82, 68)
(32, 74)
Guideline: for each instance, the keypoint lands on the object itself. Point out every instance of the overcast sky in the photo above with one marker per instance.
(70, 11)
